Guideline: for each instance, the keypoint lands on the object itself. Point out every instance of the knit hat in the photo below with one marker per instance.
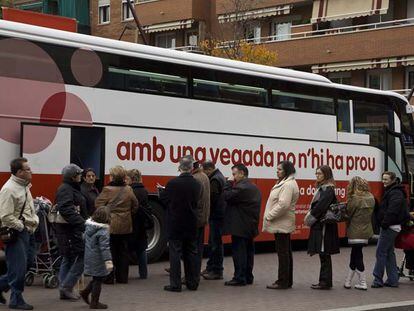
(71, 170)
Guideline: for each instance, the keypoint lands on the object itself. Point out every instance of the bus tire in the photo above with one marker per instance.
(157, 237)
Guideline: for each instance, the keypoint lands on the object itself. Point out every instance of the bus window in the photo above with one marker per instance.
(370, 119)
(143, 81)
(228, 88)
(302, 102)
(343, 114)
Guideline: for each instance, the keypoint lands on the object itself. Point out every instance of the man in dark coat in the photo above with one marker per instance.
(181, 196)
(214, 268)
(71, 205)
(391, 214)
(242, 220)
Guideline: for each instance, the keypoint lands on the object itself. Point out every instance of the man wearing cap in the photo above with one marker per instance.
(16, 200)
(181, 196)
(71, 205)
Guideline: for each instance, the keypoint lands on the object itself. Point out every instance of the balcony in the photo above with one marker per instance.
(227, 6)
(360, 42)
(160, 12)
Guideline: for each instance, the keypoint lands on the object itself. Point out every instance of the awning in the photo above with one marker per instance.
(253, 14)
(183, 24)
(328, 10)
(364, 64)
(104, 2)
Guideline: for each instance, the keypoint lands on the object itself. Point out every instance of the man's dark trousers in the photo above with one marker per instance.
(215, 243)
(243, 259)
(16, 259)
(187, 250)
(284, 253)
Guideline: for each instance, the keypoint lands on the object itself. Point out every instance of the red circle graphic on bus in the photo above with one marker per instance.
(86, 67)
(61, 107)
(28, 77)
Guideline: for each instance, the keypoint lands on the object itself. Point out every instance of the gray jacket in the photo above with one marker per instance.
(97, 249)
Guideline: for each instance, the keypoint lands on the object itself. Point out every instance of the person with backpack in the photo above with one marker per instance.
(391, 214)
(360, 206)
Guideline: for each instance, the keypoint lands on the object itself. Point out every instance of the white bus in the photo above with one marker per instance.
(67, 97)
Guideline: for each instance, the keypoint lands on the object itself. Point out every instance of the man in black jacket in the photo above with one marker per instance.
(71, 205)
(391, 214)
(214, 268)
(181, 196)
(242, 219)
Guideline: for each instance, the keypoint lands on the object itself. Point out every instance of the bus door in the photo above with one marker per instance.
(49, 148)
(395, 155)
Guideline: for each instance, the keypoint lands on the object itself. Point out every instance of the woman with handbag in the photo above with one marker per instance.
(279, 219)
(323, 237)
(138, 242)
(360, 205)
(122, 204)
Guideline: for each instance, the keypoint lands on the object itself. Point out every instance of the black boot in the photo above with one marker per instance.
(85, 292)
(95, 293)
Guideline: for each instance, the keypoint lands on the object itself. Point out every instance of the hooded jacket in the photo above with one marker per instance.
(97, 249)
(393, 209)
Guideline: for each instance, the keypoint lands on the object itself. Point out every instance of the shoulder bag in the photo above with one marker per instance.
(9, 235)
(335, 213)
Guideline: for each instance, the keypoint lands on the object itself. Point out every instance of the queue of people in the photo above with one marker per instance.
(97, 231)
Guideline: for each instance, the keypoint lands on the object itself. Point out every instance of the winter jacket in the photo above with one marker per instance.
(279, 216)
(323, 238)
(71, 205)
(138, 241)
(393, 209)
(359, 214)
(90, 192)
(122, 210)
(12, 198)
(203, 205)
(181, 197)
(217, 202)
(243, 209)
(97, 249)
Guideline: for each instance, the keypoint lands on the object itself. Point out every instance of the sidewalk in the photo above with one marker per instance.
(213, 295)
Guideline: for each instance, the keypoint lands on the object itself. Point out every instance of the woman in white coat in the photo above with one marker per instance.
(279, 219)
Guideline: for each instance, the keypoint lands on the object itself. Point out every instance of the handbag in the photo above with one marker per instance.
(335, 213)
(54, 217)
(9, 235)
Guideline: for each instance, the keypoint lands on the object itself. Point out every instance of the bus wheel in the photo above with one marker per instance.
(157, 237)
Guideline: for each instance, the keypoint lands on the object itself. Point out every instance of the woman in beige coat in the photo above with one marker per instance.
(279, 219)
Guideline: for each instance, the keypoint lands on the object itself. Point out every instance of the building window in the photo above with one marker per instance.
(340, 77)
(380, 79)
(252, 33)
(281, 31)
(165, 40)
(409, 80)
(191, 38)
(104, 11)
(126, 12)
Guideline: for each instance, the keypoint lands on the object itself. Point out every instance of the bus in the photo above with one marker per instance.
(96, 102)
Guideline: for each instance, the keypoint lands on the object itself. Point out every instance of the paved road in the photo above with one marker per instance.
(212, 295)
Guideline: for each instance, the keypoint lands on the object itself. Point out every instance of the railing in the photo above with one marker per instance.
(327, 32)
(189, 48)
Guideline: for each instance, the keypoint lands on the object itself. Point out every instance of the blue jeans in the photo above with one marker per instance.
(386, 259)
(215, 243)
(70, 271)
(16, 259)
(243, 259)
(142, 264)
